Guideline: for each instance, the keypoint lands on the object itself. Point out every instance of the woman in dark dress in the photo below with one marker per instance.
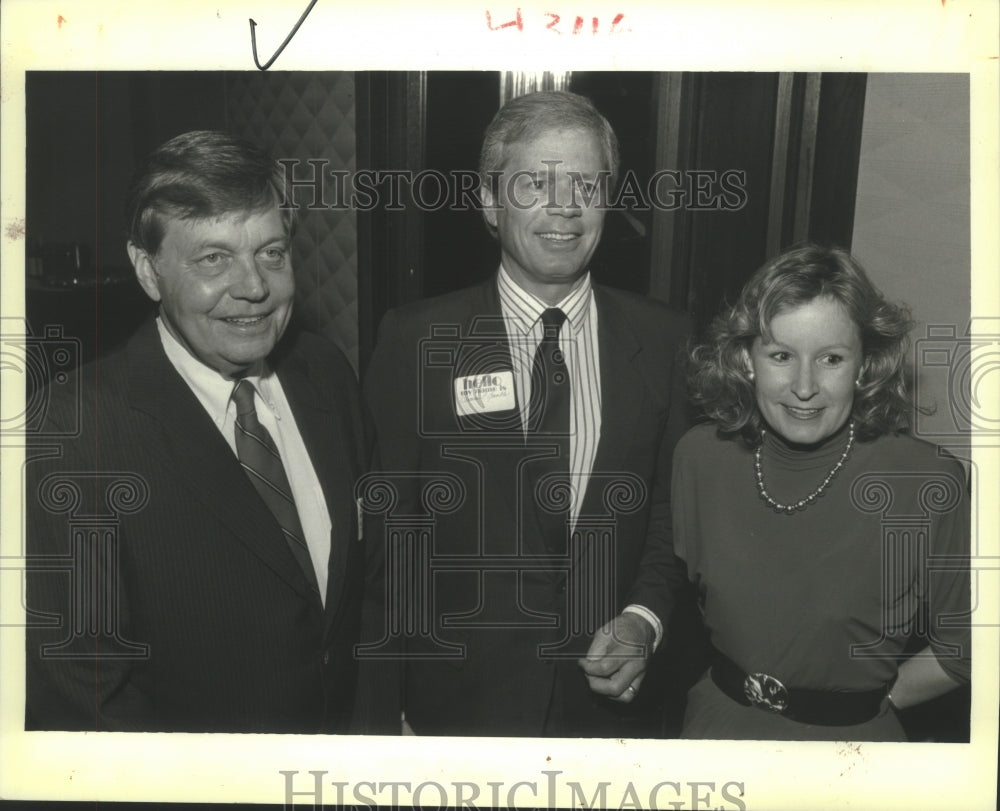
(816, 529)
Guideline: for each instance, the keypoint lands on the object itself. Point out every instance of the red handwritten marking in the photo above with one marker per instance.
(553, 23)
(518, 21)
(60, 20)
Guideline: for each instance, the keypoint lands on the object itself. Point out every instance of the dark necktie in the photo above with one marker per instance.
(549, 421)
(260, 459)
(550, 395)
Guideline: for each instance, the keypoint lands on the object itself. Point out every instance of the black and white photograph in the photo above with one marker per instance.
(620, 422)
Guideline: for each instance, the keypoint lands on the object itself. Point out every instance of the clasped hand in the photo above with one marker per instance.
(616, 662)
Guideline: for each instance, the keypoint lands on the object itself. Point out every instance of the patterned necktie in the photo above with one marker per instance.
(549, 421)
(260, 459)
(550, 395)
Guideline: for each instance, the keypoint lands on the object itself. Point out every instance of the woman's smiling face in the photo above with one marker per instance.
(805, 370)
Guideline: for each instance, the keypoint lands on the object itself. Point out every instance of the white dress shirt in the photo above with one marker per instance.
(578, 342)
(214, 392)
(522, 313)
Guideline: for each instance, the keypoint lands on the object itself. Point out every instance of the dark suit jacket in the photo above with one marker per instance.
(492, 618)
(204, 621)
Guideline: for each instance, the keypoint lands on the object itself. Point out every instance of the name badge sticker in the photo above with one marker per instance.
(485, 393)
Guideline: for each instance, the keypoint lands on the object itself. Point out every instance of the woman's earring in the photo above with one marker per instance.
(750, 373)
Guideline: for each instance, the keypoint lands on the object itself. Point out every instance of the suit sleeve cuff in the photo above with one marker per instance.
(651, 618)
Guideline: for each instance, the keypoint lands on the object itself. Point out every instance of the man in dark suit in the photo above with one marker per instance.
(525, 429)
(195, 560)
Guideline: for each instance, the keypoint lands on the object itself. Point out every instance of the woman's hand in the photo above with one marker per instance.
(920, 679)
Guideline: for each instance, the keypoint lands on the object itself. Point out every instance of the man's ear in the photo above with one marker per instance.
(489, 204)
(144, 270)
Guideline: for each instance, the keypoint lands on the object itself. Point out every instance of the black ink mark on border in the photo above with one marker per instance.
(277, 53)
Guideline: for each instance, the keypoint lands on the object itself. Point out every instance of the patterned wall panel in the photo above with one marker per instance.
(310, 116)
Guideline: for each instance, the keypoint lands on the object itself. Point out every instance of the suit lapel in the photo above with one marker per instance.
(623, 392)
(202, 461)
(486, 348)
(508, 457)
(330, 451)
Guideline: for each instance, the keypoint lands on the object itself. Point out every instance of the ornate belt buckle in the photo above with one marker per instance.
(766, 692)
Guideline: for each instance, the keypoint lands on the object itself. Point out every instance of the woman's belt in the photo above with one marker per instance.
(825, 707)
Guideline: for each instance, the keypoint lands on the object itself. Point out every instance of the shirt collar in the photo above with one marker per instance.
(210, 387)
(524, 309)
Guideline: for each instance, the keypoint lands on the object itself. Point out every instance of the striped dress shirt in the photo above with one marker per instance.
(578, 341)
(522, 314)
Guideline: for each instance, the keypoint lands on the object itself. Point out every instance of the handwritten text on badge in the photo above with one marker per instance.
(485, 393)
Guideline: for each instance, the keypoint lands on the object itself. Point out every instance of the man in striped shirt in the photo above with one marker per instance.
(526, 427)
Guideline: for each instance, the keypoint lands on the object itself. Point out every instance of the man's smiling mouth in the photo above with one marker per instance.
(244, 321)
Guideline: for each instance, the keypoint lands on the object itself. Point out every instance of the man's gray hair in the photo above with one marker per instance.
(526, 117)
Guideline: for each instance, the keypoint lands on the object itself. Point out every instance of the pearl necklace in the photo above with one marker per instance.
(805, 502)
